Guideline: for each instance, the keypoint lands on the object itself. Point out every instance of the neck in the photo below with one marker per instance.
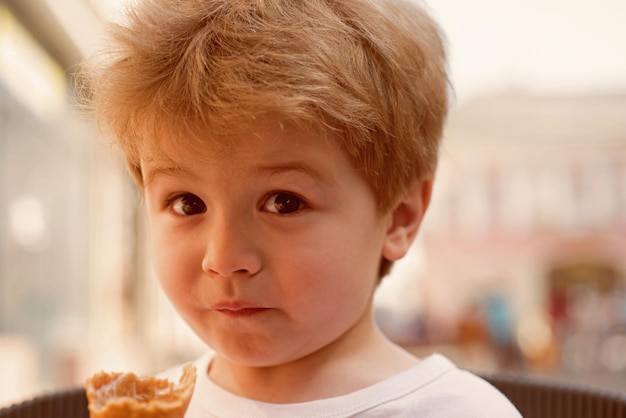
(359, 358)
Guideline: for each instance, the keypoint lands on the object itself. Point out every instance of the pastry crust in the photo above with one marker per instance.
(124, 395)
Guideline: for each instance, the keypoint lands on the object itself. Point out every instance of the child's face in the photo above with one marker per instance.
(269, 251)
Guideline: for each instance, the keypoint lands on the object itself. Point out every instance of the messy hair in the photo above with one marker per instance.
(371, 73)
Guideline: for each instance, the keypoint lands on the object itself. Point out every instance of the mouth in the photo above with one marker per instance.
(238, 310)
(241, 313)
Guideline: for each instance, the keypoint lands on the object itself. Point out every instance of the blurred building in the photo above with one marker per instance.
(525, 241)
(66, 220)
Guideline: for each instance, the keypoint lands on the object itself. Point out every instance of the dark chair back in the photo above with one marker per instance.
(540, 398)
(533, 397)
(67, 404)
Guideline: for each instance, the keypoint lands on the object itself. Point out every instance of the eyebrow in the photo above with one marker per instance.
(152, 173)
(298, 167)
(168, 171)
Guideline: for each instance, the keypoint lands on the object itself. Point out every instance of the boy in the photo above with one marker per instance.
(286, 151)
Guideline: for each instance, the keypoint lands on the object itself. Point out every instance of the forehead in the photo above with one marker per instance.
(167, 139)
(265, 146)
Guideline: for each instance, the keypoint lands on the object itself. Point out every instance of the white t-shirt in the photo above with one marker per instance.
(434, 388)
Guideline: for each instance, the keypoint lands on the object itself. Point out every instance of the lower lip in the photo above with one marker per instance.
(242, 313)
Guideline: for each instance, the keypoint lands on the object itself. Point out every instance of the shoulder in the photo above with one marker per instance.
(456, 392)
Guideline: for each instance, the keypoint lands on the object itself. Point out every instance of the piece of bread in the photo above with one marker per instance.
(124, 395)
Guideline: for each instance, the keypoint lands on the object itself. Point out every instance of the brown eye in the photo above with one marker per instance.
(283, 203)
(188, 204)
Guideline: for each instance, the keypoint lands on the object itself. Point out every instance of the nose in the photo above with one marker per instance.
(230, 250)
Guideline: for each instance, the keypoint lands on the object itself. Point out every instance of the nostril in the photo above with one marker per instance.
(228, 253)
(225, 270)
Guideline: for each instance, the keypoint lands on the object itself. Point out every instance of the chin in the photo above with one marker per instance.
(259, 357)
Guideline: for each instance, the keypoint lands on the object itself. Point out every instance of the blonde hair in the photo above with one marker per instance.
(372, 73)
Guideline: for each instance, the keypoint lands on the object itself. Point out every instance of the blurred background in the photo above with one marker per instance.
(520, 265)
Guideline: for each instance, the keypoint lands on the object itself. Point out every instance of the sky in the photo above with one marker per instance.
(552, 46)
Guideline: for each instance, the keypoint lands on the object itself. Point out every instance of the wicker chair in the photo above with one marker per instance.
(540, 398)
(534, 397)
(67, 404)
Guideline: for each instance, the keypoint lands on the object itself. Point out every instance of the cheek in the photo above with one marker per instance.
(337, 274)
(173, 264)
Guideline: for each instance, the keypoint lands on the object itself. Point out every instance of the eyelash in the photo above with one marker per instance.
(170, 203)
(302, 203)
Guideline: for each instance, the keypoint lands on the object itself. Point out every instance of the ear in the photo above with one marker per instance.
(406, 217)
